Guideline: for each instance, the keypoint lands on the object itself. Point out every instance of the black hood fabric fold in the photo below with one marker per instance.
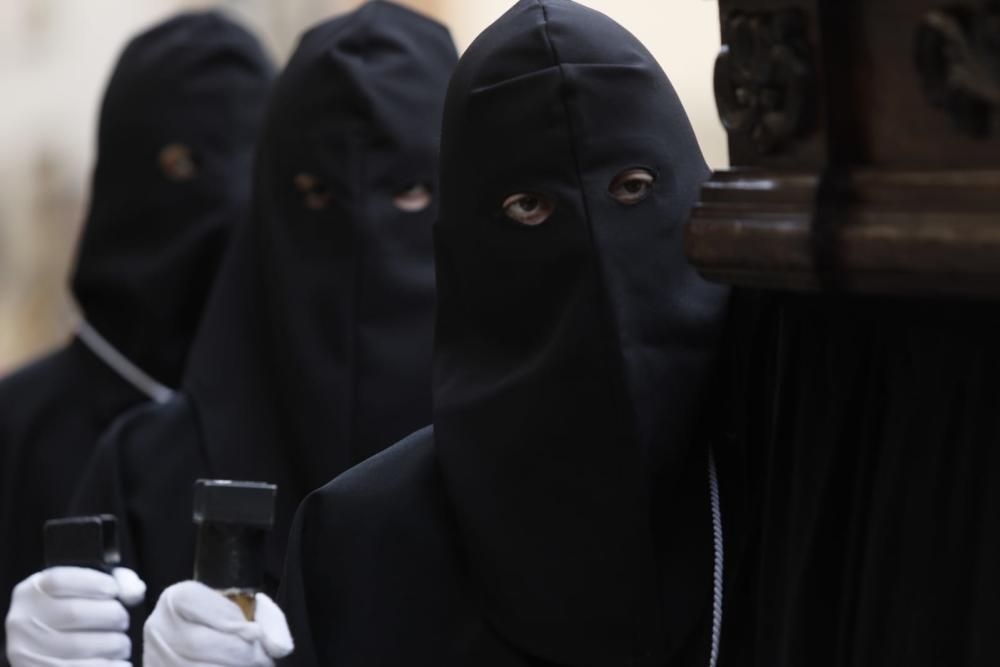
(316, 349)
(175, 143)
(572, 357)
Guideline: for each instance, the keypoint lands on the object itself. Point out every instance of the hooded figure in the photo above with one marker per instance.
(315, 351)
(559, 510)
(177, 129)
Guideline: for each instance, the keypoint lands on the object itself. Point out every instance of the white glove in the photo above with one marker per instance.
(195, 625)
(72, 617)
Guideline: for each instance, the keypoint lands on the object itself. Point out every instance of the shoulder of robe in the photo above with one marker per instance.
(40, 385)
(53, 408)
(380, 568)
(147, 455)
(66, 393)
(388, 496)
(152, 438)
(144, 424)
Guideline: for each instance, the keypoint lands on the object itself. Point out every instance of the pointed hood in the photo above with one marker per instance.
(573, 351)
(174, 150)
(316, 349)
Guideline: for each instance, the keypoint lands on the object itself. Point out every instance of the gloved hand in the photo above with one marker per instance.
(195, 625)
(72, 617)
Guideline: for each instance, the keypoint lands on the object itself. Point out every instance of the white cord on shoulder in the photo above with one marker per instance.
(120, 364)
(717, 571)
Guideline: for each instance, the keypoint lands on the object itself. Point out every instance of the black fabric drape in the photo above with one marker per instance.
(563, 485)
(151, 245)
(873, 498)
(315, 351)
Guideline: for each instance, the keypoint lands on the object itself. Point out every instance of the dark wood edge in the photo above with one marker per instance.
(913, 232)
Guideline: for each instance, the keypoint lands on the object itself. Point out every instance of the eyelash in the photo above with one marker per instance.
(619, 185)
(540, 209)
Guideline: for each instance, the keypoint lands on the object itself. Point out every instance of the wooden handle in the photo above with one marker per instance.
(247, 603)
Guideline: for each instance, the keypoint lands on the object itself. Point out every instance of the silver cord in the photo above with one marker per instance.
(717, 571)
(120, 364)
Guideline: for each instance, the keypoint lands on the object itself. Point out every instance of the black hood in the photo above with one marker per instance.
(177, 129)
(316, 349)
(572, 357)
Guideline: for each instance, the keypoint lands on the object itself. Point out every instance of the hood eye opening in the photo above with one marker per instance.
(528, 208)
(413, 199)
(315, 195)
(178, 163)
(632, 185)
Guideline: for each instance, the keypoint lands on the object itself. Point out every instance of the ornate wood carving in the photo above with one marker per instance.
(958, 57)
(843, 176)
(764, 78)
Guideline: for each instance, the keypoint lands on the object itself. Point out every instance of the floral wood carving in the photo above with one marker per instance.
(764, 78)
(958, 57)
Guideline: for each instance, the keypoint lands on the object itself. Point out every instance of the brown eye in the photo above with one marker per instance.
(177, 163)
(528, 208)
(632, 186)
(413, 199)
(315, 196)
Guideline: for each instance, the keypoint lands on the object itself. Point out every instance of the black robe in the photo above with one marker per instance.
(872, 497)
(561, 512)
(177, 129)
(315, 350)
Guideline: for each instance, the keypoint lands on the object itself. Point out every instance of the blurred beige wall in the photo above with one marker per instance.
(55, 56)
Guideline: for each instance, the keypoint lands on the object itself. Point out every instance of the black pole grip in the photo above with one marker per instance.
(233, 520)
(82, 541)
